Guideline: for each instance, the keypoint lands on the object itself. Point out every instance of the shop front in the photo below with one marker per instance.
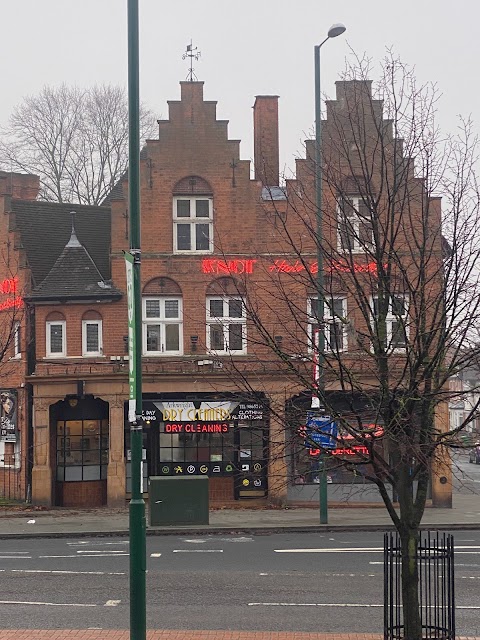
(344, 465)
(223, 438)
(81, 442)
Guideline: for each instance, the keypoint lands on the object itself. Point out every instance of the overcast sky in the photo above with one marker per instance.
(247, 48)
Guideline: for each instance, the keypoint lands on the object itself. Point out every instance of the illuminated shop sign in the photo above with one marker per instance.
(196, 427)
(239, 266)
(345, 445)
(216, 412)
(9, 287)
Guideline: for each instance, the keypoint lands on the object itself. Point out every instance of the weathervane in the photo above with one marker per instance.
(194, 54)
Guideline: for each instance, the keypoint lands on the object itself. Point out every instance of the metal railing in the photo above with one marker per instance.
(435, 555)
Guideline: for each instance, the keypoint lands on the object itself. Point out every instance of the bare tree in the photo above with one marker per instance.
(75, 139)
(400, 292)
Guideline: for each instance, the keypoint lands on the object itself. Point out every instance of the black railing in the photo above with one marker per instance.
(436, 586)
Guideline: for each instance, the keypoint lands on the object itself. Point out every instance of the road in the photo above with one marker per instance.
(330, 582)
(288, 582)
(466, 476)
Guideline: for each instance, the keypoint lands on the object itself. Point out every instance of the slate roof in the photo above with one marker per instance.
(45, 229)
(74, 276)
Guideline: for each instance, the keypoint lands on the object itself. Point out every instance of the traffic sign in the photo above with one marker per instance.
(321, 430)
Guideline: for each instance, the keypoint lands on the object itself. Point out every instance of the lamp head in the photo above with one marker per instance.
(336, 30)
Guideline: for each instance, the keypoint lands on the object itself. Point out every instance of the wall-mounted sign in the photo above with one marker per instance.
(175, 412)
(246, 266)
(196, 427)
(9, 287)
(8, 416)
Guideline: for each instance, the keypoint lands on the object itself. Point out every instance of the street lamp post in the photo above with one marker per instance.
(137, 524)
(334, 31)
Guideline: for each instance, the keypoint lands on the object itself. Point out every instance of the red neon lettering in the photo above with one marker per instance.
(213, 265)
(173, 428)
(9, 285)
(11, 303)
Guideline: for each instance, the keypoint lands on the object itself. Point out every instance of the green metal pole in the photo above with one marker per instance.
(137, 522)
(320, 382)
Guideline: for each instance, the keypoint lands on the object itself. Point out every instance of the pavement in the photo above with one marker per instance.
(97, 634)
(34, 522)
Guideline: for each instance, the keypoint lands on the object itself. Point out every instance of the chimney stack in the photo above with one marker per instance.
(265, 134)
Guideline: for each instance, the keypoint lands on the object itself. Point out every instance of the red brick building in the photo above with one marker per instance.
(214, 397)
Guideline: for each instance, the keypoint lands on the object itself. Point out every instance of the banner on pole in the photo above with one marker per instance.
(132, 346)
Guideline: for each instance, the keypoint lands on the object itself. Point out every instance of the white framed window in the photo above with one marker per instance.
(396, 321)
(56, 339)
(226, 325)
(334, 322)
(192, 224)
(162, 326)
(92, 338)
(17, 344)
(354, 225)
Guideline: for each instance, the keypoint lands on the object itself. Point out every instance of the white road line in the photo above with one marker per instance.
(48, 604)
(107, 553)
(364, 550)
(195, 541)
(15, 552)
(112, 603)
(91, 555)
(97, 544)
(198, 551)
(87, 573)
(16, 557)
(155, 555)
(311, 604)
(342, 605)
(351, 550)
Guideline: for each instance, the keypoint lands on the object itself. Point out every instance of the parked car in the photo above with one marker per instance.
(474, 455)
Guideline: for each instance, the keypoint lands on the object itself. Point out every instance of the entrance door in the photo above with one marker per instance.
(251, 461)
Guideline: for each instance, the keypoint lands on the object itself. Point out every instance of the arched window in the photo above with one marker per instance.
(92, 334)
(162, 318)
(56, 335)
(192, 216)
(226, 317)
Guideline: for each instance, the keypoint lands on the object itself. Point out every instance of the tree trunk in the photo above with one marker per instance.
(409, 539)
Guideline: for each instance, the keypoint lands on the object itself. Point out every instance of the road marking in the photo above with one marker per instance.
(311, 604)
(15, 552)
(195, 541)
(155, 555)
(88, 554)
(96, 544)
(87, 573)
(105, 553)
(48, 604)
(241, 539)
(16, 557)
(198, 551)
(112, 603)
(364, 550)
(326, 574)
(342, 605)
(350, 550)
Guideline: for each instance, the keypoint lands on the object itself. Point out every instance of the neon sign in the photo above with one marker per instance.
(237, 266)
(9, 287)
(189, 427)
(247, 266)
